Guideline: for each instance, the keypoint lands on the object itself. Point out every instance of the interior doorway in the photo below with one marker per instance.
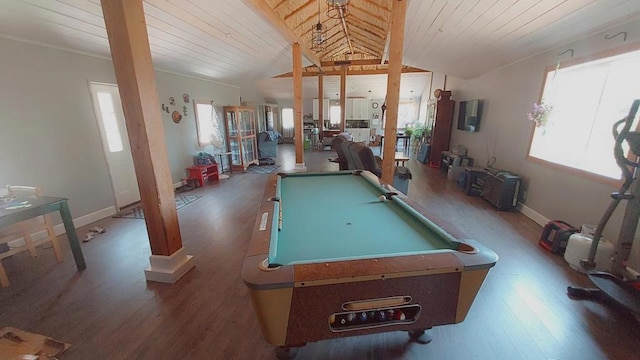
(115, 143)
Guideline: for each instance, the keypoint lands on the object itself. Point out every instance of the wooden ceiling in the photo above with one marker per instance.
(232, 42)
(362, 35)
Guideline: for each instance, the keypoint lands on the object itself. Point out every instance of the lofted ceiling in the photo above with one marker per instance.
(233, 42)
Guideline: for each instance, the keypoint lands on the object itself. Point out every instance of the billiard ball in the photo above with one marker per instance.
(390, 314)
(332, 319)
(362, 316)
(399, 315)
(351, 317)
(381, 315)
(382, 198)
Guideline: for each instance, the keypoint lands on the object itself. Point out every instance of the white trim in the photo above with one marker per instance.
(532, 214)
(300, 167)
(77, 223)
(169, 269)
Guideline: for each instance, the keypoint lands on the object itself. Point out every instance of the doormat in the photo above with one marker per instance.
(265, 169)
(135, 212)
(19, 344)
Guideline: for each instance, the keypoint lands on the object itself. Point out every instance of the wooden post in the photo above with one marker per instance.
(343, 96)
(129, 42)
(297, 106)
(320, 105)
(398, 12)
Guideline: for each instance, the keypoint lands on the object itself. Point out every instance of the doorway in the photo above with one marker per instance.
(115, 143)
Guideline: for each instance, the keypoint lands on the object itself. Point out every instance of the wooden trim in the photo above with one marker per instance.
(569, 63)
(351, 62)
(343, 96)
(398, 14)
(576, 172)
(405, 69)
(320, 106)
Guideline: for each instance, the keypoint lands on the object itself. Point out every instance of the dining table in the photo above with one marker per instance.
(22, 208)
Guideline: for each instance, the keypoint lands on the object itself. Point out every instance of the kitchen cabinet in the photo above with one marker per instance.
(356, 109)
(325, 109)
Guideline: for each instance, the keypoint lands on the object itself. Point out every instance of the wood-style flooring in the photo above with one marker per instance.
(109, 311)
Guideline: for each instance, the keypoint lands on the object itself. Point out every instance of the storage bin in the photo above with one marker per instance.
(578, 248)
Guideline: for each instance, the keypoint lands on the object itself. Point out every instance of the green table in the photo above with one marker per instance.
(328, 259)
(40, 205)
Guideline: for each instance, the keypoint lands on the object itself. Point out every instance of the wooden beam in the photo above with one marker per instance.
(129, 42)
(398, 14)
(350, 62)
(343, 97)
(297, 103)
(346, 31)
(405, 69)
(263, 8)
(320, 104)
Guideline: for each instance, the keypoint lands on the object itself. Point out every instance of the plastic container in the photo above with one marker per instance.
(578, 248)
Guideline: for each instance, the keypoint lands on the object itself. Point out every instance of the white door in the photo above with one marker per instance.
(115, 141)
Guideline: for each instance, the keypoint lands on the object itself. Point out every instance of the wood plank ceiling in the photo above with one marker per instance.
(229, 41)
(362, 35)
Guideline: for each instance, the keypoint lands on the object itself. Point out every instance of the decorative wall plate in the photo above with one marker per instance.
(176, 116)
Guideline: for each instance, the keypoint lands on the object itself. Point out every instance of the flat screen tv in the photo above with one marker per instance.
(469, 115)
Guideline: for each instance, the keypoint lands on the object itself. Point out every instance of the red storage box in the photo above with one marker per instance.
(555, 236)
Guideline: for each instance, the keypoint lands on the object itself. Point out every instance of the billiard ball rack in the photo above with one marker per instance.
(373, 318)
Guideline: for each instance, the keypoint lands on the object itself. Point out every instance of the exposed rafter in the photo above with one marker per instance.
(333, 68)
(263, 8)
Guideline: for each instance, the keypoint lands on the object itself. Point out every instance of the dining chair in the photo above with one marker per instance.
(12, 234)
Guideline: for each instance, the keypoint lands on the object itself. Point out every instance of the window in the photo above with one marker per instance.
(406, 115)
(110, 122)
(334, 114)
(287, 122)
(586, 100)
(207, 124)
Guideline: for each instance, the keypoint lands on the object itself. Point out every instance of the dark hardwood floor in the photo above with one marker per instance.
(109, 311)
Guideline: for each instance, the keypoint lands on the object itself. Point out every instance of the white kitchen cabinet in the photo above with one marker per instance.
(360, 134)
(356, 109)
(325, 109)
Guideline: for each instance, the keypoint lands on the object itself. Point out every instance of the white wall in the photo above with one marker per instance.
(48, 130)
(508, 94)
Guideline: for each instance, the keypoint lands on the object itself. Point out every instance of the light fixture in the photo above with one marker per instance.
(337, 9)
(318, 34)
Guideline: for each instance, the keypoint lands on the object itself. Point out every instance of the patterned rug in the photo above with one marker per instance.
(264, 169)
(135, 211)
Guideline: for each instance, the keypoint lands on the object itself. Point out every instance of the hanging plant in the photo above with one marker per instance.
(540, 114)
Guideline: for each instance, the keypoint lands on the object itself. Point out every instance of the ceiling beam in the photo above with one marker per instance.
(266, 11)
(346, 31)
(404, 70)
(350, 62)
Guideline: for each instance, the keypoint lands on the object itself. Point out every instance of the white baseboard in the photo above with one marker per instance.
(532, 214)
(77, 222)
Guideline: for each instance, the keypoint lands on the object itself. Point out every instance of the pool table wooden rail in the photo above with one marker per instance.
(444, 283)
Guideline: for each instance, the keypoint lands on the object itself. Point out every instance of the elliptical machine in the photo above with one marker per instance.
(621, 284)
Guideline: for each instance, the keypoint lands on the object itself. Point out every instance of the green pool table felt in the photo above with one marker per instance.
(339, 216)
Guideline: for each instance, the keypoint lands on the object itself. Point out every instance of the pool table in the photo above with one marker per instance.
(342, 253)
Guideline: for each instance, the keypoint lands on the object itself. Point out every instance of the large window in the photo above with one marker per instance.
(335, 114)
(586, 100)
(207, 124)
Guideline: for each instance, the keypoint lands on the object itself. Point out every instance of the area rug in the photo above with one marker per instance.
(264, 169)
(135, 212)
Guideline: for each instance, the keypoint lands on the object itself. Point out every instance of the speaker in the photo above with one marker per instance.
(501, 188)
